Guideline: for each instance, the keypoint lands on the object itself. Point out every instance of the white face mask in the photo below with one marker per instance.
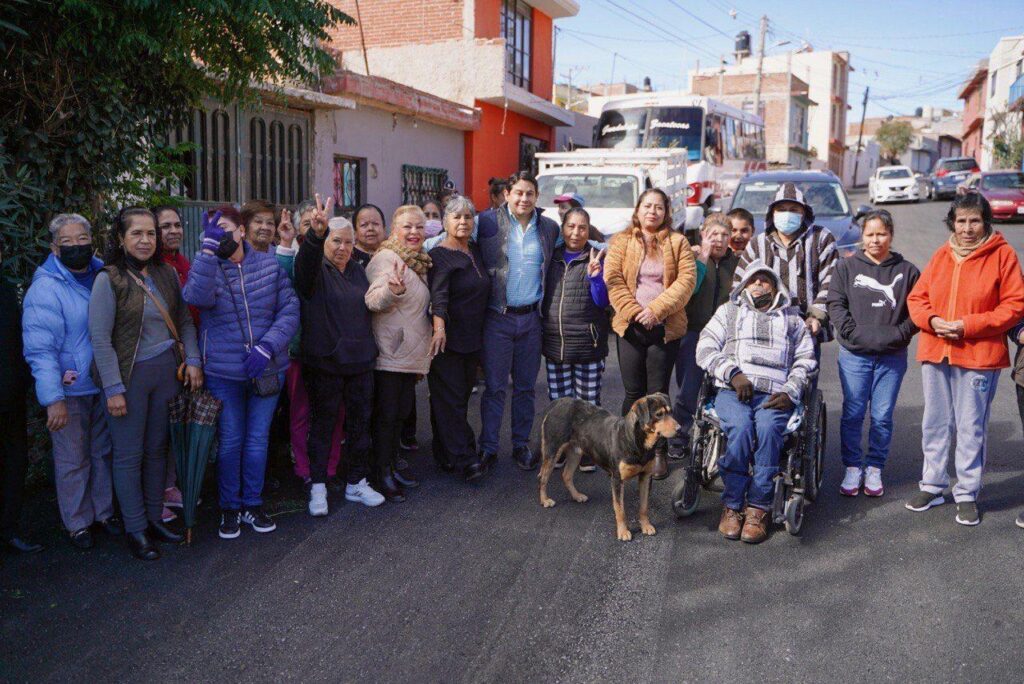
(787, 222)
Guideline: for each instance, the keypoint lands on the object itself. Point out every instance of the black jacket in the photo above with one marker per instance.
(867, 303)
(459, 292)
(14, 373)
(575, 329)
(336, 333)
(714, 291)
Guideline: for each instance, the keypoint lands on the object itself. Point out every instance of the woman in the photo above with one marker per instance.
(460, 288)
(248, 314)
(867, 304)
(433, 211)
(398, 297)
(338, 353)
(260, 227)
(969, 295)
(369, 225)
(140, 327)
(650, 273)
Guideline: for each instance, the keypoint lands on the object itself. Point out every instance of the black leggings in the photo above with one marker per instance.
(394, 395)
(645, 364)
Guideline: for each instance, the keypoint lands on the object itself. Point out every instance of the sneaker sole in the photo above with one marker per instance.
(317, 513)
(360, 500)
(1019, 522)
(850, 492)
(261, 530)
(587, 469)
(968, 523)
(873, 492)
(937, 501)
(224, 535)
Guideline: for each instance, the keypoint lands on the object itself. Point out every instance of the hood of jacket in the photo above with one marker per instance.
(782, 298)
(995, 241)
(53, 268)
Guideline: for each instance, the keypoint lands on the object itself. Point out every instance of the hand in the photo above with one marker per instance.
(1020, 337)
(946, 329)
(193, 377)
(744, 388)
(647, 318)
(395, 281)
(704, 253)
(594, 265)
(256, 362)
(437, 342)
(56, 416)
(813, 324)
(285, 229)
(117, 406)
(956, 330)
(212, 233)
(780, 401)
(321, 215)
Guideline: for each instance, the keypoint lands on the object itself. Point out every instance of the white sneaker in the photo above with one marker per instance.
(851, 482)
(873, 482)
(318, 500)
(363, 493)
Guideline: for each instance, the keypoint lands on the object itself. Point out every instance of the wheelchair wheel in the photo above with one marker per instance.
(814, 447)
(711, 478)
(794, 514)
(686, 495)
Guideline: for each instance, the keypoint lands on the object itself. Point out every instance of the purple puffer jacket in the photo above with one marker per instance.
(268, 310)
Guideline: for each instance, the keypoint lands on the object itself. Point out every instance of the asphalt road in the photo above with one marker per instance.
(479, 583)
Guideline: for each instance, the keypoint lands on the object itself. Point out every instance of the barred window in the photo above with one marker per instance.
(517, 30)
(348, 184)
(421, 183)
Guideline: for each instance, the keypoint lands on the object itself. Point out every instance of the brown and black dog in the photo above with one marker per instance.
(623, 447)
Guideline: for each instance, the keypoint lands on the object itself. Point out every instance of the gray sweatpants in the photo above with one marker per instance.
(140, 441)
(81, 464)
(955, 399)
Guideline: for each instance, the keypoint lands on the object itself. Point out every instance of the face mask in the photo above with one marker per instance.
(787, 222)
(137, 264)
(763, 301)
(75, 257)
(227, 247)
(433, 227)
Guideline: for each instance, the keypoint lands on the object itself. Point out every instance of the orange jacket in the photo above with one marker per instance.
(985, 291)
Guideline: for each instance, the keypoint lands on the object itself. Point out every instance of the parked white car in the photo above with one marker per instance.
(893, 184)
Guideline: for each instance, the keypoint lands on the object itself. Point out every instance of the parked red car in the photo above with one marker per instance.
(1004, 190)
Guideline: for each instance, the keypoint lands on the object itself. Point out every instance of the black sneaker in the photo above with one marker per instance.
(408, 444)
(967, 513)
(587, 464)
(923, 500)
(259, 520)
(229, 525)
(1020, 520)
(678, 449)
(524, 458)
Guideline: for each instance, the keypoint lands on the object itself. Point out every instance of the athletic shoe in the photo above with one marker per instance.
(363, 493)
(873, 482)
(587, 464)
(967, 513)
(167, 515)
(923, 500)
(172, 498)
(318, 500)
(409, 444)
(258, 520)
(851, 481)
(1020, 520)
(229, 525)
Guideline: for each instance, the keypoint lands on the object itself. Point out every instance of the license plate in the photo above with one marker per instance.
(1020, 209)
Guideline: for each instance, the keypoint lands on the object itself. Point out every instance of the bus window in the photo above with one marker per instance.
(675, 127)
(732, 139)
(621, 128)
(713, 135)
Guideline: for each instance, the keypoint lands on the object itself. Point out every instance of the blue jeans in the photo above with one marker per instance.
(873, 379)
(688, 376)
(512, 344)
(753, 433)
(243, 433)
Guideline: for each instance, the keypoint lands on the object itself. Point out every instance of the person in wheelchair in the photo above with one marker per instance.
(759, 351)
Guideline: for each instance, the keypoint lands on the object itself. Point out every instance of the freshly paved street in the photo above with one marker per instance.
(479, 583)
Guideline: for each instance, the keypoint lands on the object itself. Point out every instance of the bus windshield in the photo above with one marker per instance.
(598, 190)
(653, 127)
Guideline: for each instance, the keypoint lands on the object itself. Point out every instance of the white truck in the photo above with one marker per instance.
(610, 182)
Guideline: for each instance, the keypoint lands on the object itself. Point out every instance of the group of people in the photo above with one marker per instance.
(344, 318)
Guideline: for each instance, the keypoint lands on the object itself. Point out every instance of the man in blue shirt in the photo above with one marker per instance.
(516, 242)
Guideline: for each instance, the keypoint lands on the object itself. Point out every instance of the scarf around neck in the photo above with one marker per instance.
(964, 252)
(419, 261)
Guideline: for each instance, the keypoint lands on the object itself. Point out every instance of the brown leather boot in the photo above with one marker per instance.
(731, 523)
(755, 525)
(660, 471)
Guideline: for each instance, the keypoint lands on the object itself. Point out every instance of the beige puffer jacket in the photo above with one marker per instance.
(400, 323)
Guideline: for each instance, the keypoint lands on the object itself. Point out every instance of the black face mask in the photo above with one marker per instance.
(134, 263)
(763, 301)
(227, 247)
(75, 257)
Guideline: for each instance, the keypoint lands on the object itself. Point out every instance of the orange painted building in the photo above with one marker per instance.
(973, 95)
(494, 56)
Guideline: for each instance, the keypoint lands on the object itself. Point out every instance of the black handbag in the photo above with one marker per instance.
(268, 384)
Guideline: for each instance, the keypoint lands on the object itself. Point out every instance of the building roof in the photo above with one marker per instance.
(976, 79)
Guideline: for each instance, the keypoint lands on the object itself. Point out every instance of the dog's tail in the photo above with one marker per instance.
(543, 443)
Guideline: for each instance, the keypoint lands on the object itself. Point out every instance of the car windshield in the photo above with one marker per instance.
(958, 164)
(826, 198)
(886, 174)
(1003, 181)
(598, 190)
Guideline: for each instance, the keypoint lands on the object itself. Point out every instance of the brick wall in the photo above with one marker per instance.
(389, 23)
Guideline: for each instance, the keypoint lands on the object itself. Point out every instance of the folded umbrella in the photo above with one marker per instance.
(193, 425)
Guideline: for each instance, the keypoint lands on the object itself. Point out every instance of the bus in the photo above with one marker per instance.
(724, 142)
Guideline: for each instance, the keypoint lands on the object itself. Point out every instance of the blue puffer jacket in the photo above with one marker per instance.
(268, 310)
(55, 326)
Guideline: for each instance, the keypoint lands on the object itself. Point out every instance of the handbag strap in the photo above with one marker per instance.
(173, 329)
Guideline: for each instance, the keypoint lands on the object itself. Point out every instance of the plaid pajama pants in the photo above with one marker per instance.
(580, 380)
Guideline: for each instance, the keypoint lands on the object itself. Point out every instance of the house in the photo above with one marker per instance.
(864, 161)
(935, 135)
(972, 93)
(496, 56)
(1005, 66)
(784, 106)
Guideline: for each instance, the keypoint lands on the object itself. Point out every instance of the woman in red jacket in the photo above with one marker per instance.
(969, 295)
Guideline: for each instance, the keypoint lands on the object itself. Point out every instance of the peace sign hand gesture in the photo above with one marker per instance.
(285, 229)
(396, 280)
(594, 265)
(320, 215)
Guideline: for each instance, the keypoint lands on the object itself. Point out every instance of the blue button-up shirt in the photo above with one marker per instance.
(525, 263)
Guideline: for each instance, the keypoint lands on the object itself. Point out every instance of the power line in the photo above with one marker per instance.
(623, 57)
(713, 28)
(625, 39)
(662, 30)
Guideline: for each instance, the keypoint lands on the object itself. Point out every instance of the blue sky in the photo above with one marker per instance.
(910, 53)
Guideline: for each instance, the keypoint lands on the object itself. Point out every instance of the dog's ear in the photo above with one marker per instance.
(662, 401)
(638, 421)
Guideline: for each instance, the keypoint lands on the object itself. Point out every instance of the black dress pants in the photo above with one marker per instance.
(327, 392)
(451, 379)
(393, 398)
(13, 467)
(646, 362)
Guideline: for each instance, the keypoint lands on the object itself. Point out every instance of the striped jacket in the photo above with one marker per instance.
(772, 348)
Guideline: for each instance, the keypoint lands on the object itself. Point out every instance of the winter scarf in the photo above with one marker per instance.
(419, 261)
(961, 252)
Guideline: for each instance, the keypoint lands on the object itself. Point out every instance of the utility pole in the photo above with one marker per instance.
(860, 136)
(721, 74)
(760, 65)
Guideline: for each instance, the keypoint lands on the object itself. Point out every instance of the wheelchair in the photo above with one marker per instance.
(801, 463)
